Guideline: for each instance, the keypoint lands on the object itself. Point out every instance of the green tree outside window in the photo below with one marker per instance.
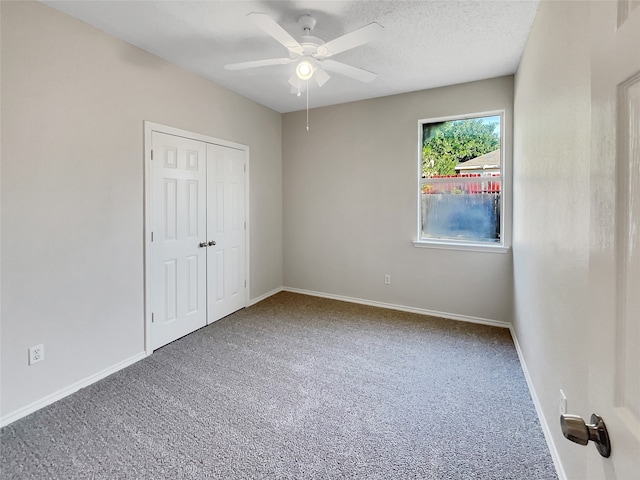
(446, 144)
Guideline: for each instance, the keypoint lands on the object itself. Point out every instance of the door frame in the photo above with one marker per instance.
(150, 127)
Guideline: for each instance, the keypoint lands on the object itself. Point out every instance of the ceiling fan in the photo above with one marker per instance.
(311, 53)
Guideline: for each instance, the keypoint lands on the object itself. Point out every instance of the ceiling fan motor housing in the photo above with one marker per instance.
(310, 45)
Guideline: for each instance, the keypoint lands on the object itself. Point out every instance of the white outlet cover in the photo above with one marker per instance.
(36, 354)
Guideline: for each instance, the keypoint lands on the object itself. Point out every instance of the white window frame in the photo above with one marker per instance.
(505, 197)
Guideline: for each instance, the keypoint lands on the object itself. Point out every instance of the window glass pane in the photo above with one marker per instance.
(460, 184)
(468, 211)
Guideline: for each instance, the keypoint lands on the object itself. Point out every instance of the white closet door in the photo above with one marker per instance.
(178, 263)
(226, 227)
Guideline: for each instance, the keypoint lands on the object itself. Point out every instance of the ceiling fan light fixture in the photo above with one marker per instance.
(304, 70)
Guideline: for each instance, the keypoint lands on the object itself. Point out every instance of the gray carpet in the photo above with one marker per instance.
(298, 387)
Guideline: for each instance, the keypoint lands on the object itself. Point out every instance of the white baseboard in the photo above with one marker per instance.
(546, 430)
(64, 392)
(253, 301)
(402, 308)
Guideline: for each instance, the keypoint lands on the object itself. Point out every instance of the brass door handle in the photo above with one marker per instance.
(575, 429)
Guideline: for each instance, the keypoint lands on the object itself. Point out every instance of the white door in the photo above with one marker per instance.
(226, 227)
(179, 222)
(613, 352)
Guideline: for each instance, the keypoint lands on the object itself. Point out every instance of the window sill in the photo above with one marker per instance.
(469, 247)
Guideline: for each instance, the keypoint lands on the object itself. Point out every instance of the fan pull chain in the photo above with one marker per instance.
(307, 105)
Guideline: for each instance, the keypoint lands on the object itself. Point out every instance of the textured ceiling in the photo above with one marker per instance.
(426, 43)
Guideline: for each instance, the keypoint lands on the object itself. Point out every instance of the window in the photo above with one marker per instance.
(460, 187)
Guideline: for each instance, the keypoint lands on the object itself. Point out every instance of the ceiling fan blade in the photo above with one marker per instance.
(363, 35)
(271, 27)
(321, 76)
(258, 63)
(349, 71)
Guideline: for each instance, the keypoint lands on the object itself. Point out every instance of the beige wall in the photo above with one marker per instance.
(350, 205)
(73, 104)
(551, 213)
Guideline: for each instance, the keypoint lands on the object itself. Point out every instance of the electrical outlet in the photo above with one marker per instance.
(36, 354)
(387, 279)
(562, 404)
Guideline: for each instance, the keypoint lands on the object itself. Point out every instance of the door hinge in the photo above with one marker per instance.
(245, 225)
(152, 236)
(151, 154)
(245, 283)
(152, 319)
(245, 168)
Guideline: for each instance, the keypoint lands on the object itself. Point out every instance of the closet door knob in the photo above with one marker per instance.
(202, 244)
(212, 243)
